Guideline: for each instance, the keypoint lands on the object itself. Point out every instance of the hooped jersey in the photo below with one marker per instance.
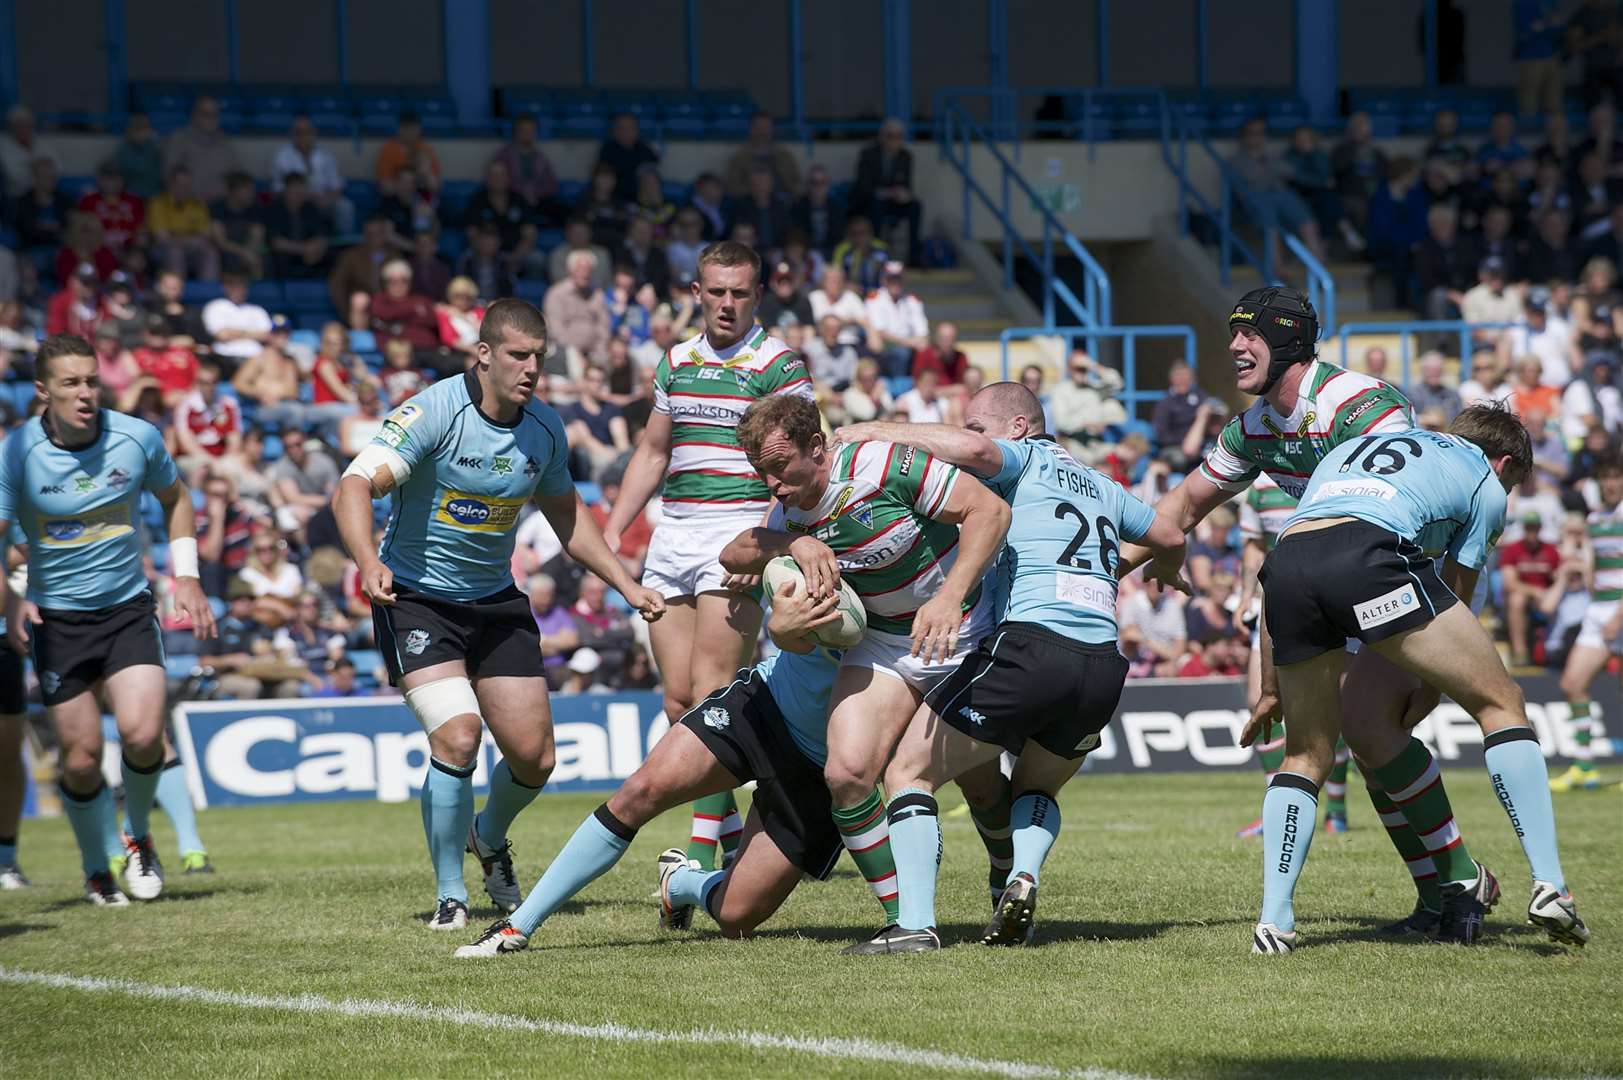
(705, 392)
(878, 515)
(1332, 406)
(1606, 538)
(1435, 489)
(1058, 565)
(451, 522)
(1266, 509)
(78, 509)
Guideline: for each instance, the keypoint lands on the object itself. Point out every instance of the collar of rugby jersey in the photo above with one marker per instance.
(476, 394)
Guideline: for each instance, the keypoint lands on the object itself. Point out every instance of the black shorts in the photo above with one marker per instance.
(1353, 580)
(1028, 682)
(74, 650)
(742, 726)
(13, 687)
(495, 635)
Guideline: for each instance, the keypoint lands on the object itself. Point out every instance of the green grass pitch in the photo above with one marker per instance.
(1142, 967)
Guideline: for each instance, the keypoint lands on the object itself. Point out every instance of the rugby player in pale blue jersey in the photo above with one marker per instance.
(1392, 530)
(1046, 681)
(458, 461)
(769, 725)
(71, 478)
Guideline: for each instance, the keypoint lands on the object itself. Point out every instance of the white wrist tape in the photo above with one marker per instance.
(183, 556)
(375, 463)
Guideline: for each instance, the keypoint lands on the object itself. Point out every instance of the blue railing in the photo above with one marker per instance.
(1129, 336)
(959, 138)
(1176, 137)
(1406, 331)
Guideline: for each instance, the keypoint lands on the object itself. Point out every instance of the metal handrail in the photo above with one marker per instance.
(1421, 326)
(1176, 135)
(957, 135)
(1131, 395)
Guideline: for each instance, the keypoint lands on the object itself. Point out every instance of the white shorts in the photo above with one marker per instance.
(1596, 616)
(890, 654)
(683, 556)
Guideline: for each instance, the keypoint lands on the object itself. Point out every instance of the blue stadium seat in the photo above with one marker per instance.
(454, 198)
(273, 447)
(201, 292)
(547, 239)
(570, 191)
(273, 112)
(362, 341)
(372, 360)
(898, 384)
(308, 321)
(20, 395)
(165, 121)
(307, 295)
(331, 114)
(267, 294)
(307, 339)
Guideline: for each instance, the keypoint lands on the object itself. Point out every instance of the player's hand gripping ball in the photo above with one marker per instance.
(853, 621)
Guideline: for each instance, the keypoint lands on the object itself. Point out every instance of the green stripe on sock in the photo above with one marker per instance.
(1429, 812)
(1409, 846)
(870, 851)
(713, 806)
(1583, 730)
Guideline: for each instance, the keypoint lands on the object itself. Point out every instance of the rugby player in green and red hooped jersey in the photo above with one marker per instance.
(710, 493)
(1305, 408)
(913, 542)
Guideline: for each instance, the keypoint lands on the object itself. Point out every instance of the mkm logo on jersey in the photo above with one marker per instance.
(476, 513)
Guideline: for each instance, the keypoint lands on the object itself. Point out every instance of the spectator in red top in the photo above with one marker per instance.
(120, 213)
(1528, 567)
(331, 377)
(84, 243)
(172, 366)
(76, 309)
(208, 426)
(460, 316)
(116, 368)
(224, 532)
(942, 355)
(397, 312)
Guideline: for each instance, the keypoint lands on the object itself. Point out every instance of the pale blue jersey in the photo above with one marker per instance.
(801, 683)
(78, 508)
(1435, 489)
(1058, 564)
(451, 524)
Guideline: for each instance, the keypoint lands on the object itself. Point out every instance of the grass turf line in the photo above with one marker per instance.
(1144, 922)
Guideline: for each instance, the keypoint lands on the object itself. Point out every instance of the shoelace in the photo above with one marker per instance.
(495, 930)
(505, 866)
(447, 911)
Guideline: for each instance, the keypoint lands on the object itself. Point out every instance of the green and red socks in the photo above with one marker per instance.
(1583, 730)
(1335, 785)
(1271, 750)
(1415, 785)
(716, 824)
(1416, 856)
(865, 832)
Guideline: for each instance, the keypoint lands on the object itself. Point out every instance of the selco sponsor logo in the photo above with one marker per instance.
(477, 514)
(64, 530)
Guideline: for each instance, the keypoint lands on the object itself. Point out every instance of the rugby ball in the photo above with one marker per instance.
(853, 619)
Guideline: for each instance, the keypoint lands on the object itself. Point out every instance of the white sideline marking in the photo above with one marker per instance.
(828, 1047)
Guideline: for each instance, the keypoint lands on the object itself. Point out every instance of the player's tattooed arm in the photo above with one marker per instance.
(958, 446)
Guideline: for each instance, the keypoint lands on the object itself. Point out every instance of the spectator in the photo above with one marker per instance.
(276, 582)
(270, 379)
(1446, 145)
(1593, 195)
(759, 149)
(596, 427)
(602, 207)
(1607, 244)
(636, 537)
(764, 209)
(316, 164)
(648, 354)
(709, 200)
(358, 269)
(1487, 382)
(1602, 139)
(182, 233)
(239, 227)
(182, 324)
(115, 367)
(42, 211)
(1496, 241)
(1550, 457)
(1550, 254)
(1530, 394)
(76, 309)
(685, 244)
(409, 207)
(401, 379)
(1592, 400)
(1153, 634)
(341, 680)
(832, 362)
(584, 673)
(430, 274)
(601, 627)
(397, 312)
(239, 329)
(1549, 190)
(1528, 567)
(924, 403)
(484, 264)
(297, 232)
(897, 327)
(818, 214)
(1085, 404)
(1265, 177)
(460, 316)
(1174, 413)
(203, 150)
(1358, 166)
(835, 297)
(1432, 391)
(1031, 377)
(20, 148)
(1597, 292)
(139, 159)
(578, 237)
(302, 480)
(651, 202)
(1397, 224)
(1312, 178)
(408, 150)
(643, 253)
(942, 355)
(1557, 149)
(208, 425)
(1536, 47)
(529, 168)
(557, 628)
(1375, 363)
(624, 152)
(783, 297)
(1203, 431)
(630, 306)
(1546, 337)
(1490, 300)
(860, 255)
(83, 244)
(241, 642)
(884, 185)
(576, 312)
(1502, 152)
(121, 214)
(1592, 34)
(867, 398)
(1443, 264)
(333, 375)
(511, 214)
